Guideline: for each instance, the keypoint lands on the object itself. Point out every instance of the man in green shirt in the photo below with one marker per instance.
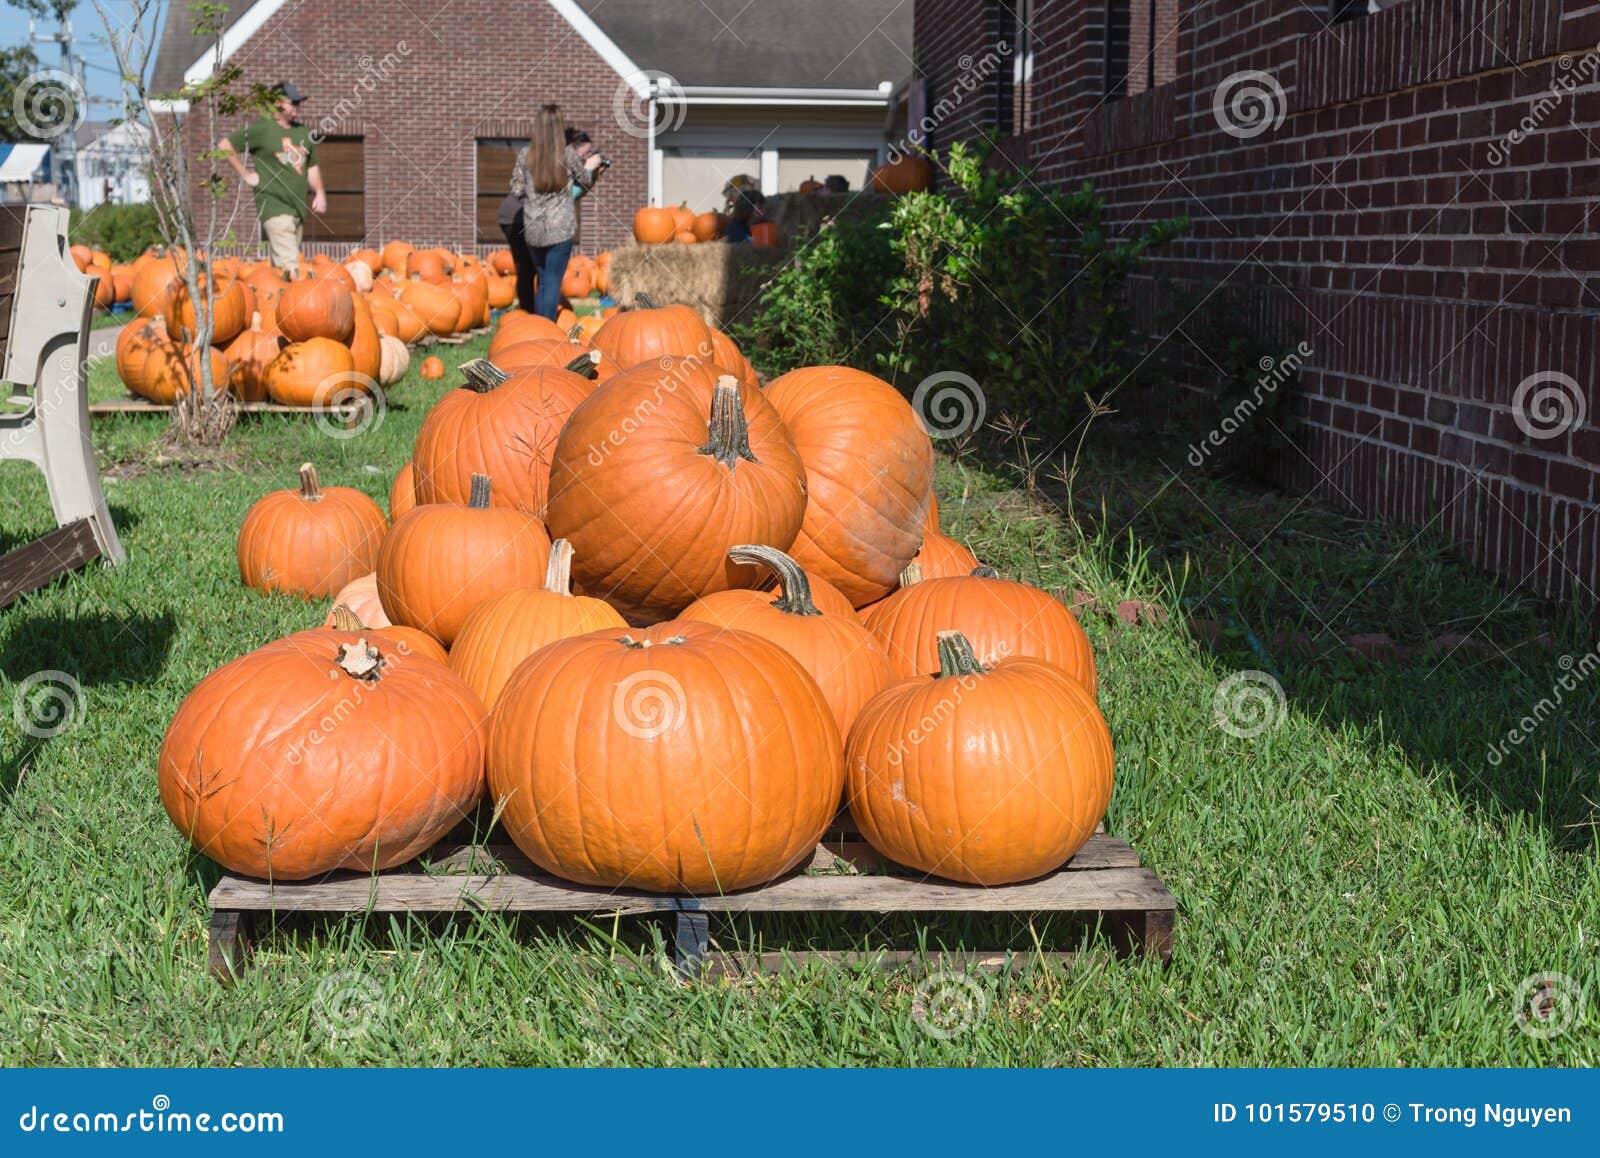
(285, 156)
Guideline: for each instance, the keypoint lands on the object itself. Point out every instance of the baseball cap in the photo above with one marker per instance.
(290, 92)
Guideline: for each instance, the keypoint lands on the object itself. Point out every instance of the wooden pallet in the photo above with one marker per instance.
(1104, 882)
(350, 414)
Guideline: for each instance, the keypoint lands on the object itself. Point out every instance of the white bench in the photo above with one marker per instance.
(45, 307)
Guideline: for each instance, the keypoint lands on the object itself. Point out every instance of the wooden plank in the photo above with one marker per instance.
(735, 965)
(30, 567)
(227, 945)
(145, 406)
(11, 222)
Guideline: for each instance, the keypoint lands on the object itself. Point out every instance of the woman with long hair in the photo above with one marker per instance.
(549, 177)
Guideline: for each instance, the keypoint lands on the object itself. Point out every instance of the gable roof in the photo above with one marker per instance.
(830, 44)
(180, 47)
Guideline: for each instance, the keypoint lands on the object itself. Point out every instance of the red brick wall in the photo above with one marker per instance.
(422, 84)
(1432, 265)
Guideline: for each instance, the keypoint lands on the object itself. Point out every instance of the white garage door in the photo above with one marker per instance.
(695, 177)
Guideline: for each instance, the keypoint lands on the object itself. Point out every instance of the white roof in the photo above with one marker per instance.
(23, 162)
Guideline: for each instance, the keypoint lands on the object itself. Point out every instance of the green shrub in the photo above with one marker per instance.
(123, 231)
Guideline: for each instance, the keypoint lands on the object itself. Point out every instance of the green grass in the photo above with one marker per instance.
(1356, 885)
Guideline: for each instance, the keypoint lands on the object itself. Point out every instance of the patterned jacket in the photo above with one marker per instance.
(549, 218)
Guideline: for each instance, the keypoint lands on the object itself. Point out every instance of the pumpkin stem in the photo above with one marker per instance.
(911, 575)
(575, 332)
(956, 657)
(360, 660)
(796, 597)
(984, 571)
(479, 498)
(644, 302)
(639, 644)
(558, 575)
(345, 619)
(482, 375)
(728, 434)
(586, 364)
(310, 491)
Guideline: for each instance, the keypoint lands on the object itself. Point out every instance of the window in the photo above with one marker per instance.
(497, 156)
(1021, 42)
(343, 161)
(1141, 45)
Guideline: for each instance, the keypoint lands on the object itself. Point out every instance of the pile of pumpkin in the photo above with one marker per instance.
(665, 225)
(338, 327)
(667, 617)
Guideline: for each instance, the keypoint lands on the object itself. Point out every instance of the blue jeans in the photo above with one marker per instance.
(550, 263)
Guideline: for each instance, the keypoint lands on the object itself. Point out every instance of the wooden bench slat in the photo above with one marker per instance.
(30, 567)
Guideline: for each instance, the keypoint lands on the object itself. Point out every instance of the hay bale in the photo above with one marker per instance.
(720, 281)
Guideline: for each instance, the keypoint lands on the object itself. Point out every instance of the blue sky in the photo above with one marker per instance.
(90, 37)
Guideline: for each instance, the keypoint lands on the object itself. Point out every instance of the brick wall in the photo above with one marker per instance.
(1431, 262)
(421, 85)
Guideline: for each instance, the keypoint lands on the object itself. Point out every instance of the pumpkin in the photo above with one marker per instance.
(428, 264)
(136, 345)
(685, 237)
(985, 774)
(575, 356)
(941, 557)
(402, 493)
(632, 760)
(999, 617)
(368, 257)
(517, 327)
(931, 526)
(394, 359)
(439, 561)
(309, 542)
(248, 357)
(105, 289)
(828, 598)
(653, 226)
(366, 347)
(869, 470)
(394, 256)
(904, 174)
(319, 307)
(502, 292)
(725, 352)
(360, 596)
(503, 426)
(405, 641)
(765, 233)
(505, 630)
(432, 368)
(643, 335)
(577, 282)
(311, 373)
(846, 660)
(230, 311)
(709, 226)
(361, 274)
(662, 470)
(171, 371)
(502, 262)
(282, 764)
(154, 283)
(472, 293)
(408, 326)
(122, 282)
(435, 306)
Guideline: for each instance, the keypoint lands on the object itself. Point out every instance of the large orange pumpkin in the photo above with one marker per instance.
(394, 256)
(154, 283)
(710, 226)
(641, 335)
(517, 327)
(869, 467)
(248, 357)
(662, 470)
(846, 660)
(439, 561)
(436, 307)
(633, 760)
(577, 282)
(317, 307)
(171, 371)
(904, 174)
(312, 541)
(230, 310)
(497, 425)
(653, 226)
(1001, 618)
(311, 373)
(282, 764)
(366, 347)
(725, 353)
(136, 345)
(507, 629)
(988, 775)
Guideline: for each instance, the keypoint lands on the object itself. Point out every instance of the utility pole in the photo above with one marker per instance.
(65, 146)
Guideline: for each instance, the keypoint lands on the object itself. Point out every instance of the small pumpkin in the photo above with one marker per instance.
(667, 704)
(441, 560)
(904, 173)
(360, 595)
(942, 557)
(846, 660)
(319, 307)
(654, 226)
(309, 542)
(710, 226)
(765, 234)
(393, 361)
(248, 356)
(507, 629)
(577, 281)
(1012, 774)
(255, 773)
(432, 368)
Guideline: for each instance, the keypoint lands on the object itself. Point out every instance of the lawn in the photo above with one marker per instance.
(1357, 882)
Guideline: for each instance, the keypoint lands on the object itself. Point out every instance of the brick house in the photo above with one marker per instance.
(421, 110)
(1406, 186)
